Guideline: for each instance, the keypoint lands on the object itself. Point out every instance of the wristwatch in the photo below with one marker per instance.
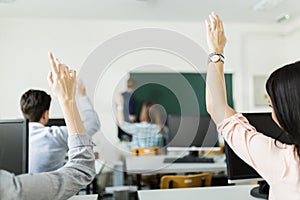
(215, 57)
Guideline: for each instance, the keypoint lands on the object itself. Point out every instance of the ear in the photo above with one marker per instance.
(46, 114)
(45, 117)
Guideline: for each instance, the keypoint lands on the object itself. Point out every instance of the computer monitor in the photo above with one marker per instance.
(237, 169)
(14, 145)
(123, 136)
(192, 133)
(56, 122)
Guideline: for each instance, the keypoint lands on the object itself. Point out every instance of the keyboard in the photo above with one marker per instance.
(189, 159)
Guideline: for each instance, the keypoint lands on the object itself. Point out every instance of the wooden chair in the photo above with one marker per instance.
(146, 151)
(221, 151)
(197, 180)
(148, 180)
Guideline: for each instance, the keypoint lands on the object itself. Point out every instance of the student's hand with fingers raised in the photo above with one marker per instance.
(216, 39)
(80, 88)
(61, 79)
(62, 82)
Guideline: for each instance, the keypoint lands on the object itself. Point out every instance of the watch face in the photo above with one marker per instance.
(215, 58)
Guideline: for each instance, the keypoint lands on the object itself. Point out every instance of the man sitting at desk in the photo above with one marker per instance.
(48, 146)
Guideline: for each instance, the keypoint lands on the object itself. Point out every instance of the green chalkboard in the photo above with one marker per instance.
(178, 93)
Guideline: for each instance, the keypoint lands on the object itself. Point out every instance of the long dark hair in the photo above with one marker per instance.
(283, 88)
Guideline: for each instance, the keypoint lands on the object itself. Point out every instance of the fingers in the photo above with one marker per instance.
(80, 83)
(208, 28)
(215, 22)
(50, 78)
(64, 70)
(73, 74)
(52, 63)
(219, 21)
(59, 70)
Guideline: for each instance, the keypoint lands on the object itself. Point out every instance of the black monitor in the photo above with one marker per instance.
(237, 169)
(56, 122)
(124, 136)
(192, 133)
(14, 145)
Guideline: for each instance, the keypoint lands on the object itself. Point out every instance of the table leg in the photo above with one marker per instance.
(138, 179)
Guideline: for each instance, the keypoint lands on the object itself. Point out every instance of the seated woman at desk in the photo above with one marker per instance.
(150, 131)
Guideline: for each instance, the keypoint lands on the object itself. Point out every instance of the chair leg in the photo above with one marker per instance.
(203, 179)
(170, 184)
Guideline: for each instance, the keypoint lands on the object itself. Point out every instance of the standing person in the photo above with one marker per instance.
(129, 101)
(48, 146)
(277, 163)
(79, 170)
(150, 131)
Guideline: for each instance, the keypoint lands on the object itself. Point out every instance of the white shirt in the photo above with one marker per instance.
(48, 146)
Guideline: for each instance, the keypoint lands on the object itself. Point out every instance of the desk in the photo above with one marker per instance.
(155, 165)
(84, 197)
(212, 193)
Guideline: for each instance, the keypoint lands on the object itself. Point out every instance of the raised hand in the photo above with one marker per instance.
(61, 79)
(80, 88)
(62, 82)
(216, 39)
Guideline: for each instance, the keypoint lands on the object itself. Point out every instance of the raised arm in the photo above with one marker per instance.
(216, 101)
(80, 169)
(120, 110)
(62, 82)
(87, 112)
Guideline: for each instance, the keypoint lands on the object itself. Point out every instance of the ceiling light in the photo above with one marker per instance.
(282, 17)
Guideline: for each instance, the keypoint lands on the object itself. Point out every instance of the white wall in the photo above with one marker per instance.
(251, 50)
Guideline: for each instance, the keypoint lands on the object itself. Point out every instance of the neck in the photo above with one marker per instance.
(43, 121)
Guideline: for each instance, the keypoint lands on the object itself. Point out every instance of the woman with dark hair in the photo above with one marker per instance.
(150, 131)
(276, 162)
(284, 94)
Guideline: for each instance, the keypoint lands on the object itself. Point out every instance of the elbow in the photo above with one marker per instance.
(94, 128)
(97, 126)
(209, 108)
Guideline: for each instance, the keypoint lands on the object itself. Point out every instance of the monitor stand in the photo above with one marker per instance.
(262, 191)
(192, 157)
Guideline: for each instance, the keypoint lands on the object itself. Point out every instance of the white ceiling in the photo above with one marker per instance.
(181, 10)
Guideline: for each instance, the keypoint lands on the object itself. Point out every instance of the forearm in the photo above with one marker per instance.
(120, 115)
(72, 117)
(89, 116)
(216, 100)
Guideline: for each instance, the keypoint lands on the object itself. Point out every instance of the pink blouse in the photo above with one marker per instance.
(277, 163)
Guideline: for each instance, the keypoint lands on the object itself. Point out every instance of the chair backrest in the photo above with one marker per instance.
(146, 151)
(207, 153)
(196, 180)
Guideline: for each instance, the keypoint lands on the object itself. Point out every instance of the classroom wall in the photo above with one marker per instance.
(251, 50)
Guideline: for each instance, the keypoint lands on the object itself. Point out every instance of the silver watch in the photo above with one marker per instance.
(215, 57)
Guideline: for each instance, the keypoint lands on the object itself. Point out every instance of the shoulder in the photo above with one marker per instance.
(57, 129)
(236, 120)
